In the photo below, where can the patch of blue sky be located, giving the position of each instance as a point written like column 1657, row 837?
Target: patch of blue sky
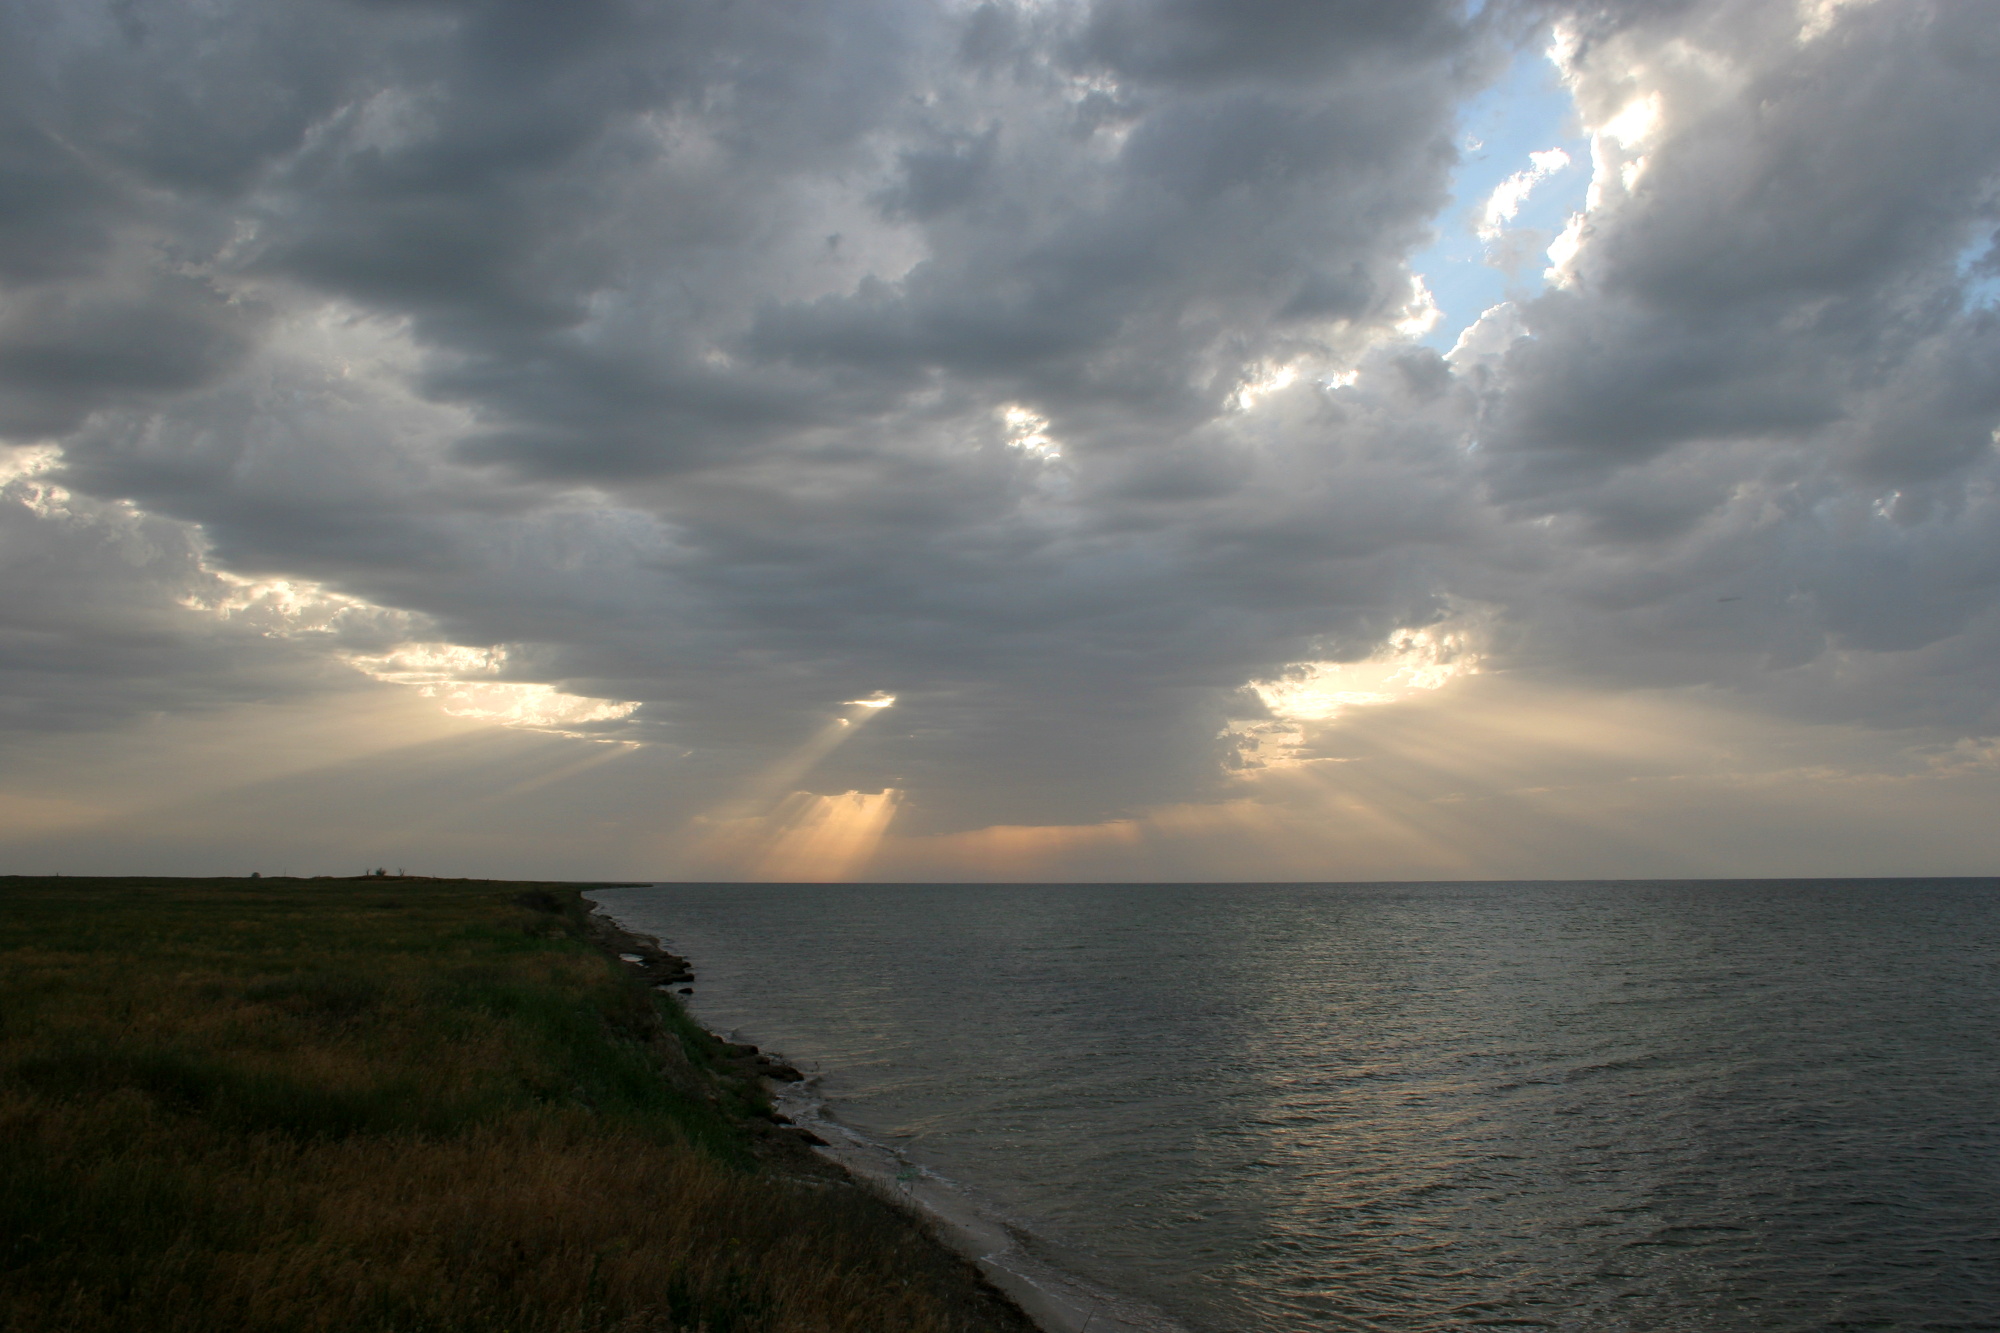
column 1979, row 271
column 1527, row 111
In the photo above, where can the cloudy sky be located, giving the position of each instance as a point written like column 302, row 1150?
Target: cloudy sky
column 1099, row 439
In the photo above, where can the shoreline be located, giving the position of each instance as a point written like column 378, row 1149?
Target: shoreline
column 1055, row 1300
column 409, row 1103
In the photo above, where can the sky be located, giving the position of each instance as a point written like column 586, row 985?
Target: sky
column 1049, row 440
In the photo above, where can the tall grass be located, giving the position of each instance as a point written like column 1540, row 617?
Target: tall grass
column 408, row 1106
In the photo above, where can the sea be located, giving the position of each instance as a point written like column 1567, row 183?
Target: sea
column 1260, row 1107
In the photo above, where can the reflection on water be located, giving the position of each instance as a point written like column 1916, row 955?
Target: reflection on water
column 1591, row 1106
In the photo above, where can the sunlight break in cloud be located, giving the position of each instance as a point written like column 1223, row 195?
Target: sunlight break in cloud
column 535, row 350
column 1409, row 661
column 1504, row 204
column 1817, row 17
column 466, row 682
column 1028, row 431
column 1617, row 161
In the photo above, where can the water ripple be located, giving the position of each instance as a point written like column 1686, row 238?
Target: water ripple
column 1420, row 1107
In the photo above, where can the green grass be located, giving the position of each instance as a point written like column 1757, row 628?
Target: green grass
column 401, row 1105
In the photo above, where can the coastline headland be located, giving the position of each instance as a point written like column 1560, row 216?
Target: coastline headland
column 402, row 1104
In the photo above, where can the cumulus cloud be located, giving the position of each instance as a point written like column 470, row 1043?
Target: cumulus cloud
column 1765, row 386
column 697, row 369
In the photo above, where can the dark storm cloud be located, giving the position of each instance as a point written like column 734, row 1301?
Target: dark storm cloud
column 96, row 626
column 1124, row 281
column 1201, row 41
column 68, row 349
column 1786, row 259
column 55, row 213
column 1766, row 381
column 741, row 360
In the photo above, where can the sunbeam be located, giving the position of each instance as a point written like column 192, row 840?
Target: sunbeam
column 772, row 830
column 1495, row 777
column 827, row 837
column 776, row 782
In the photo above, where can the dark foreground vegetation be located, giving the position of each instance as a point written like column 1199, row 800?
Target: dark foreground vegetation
column 408, row 1106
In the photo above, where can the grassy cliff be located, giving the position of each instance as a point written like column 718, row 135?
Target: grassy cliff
column 404, row 1105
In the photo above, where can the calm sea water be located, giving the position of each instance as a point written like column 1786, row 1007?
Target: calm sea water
column 1595, row 1106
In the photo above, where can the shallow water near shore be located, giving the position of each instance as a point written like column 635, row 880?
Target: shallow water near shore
column 1757, row 1105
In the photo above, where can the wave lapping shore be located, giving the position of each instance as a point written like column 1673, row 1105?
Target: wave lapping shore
column 1006, row 1253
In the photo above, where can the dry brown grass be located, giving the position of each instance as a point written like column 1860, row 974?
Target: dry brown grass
column 328, row 1107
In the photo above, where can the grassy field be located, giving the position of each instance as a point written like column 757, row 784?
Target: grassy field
column 405, row 1105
